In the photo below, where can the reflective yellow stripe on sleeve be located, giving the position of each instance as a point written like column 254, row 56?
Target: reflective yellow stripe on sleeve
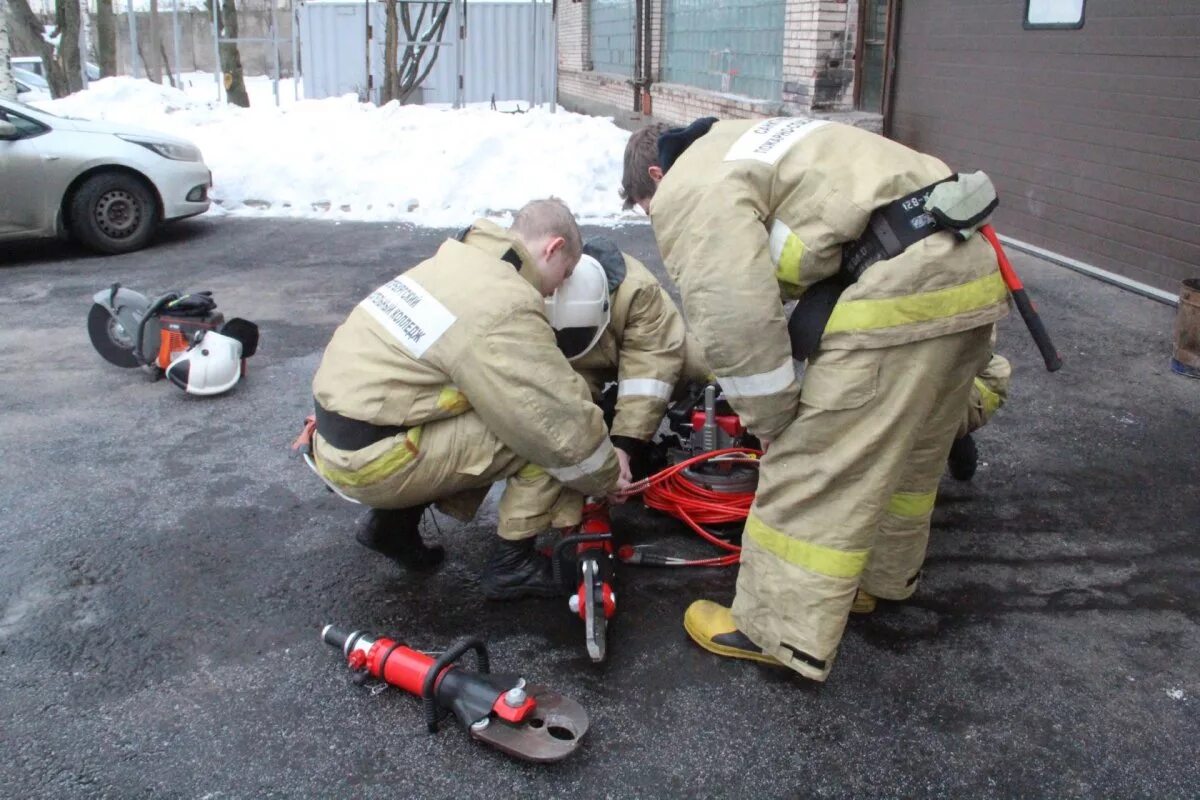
column 392, row 461
column 787, row 252
column 812, row 557
column 912, row 504
column 862, row 315
column 530, row 472
column 452, row 400
column 991, row 401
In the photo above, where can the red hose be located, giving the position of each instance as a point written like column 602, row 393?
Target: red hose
column 671, row 492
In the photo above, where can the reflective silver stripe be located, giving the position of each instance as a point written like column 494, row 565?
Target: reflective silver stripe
column 777, row 239
column 644, row 387
column 584, row 468
column 761, row 384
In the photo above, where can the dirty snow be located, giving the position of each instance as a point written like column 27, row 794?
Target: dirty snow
column 338, row 158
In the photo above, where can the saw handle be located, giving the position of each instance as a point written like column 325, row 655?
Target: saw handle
column 1028, row 311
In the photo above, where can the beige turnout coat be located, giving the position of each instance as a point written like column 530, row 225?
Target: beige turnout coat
column 757, row 211
column 464, row 331
column 642, row 349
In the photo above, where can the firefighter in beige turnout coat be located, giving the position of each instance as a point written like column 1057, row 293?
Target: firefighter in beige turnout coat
column 642, row 349
column 455, row 361
column 755, row 212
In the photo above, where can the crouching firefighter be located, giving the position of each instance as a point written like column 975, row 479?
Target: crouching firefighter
column 446, row 379
column 619, row 329
column 896, row 305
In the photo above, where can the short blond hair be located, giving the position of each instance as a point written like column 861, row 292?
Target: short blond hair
column 549, row 217
column 641, row 153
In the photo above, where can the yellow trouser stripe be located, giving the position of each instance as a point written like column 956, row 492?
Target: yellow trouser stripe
column 912, row 504
column 991, row 401
column 812, row 557
column 859, row 315
column 374, row 471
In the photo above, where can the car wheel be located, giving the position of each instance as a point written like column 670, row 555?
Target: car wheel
column 113, row 212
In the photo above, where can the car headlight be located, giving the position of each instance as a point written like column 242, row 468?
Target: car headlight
column 175, row 152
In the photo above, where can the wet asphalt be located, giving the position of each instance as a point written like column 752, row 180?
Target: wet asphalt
column 167, row 566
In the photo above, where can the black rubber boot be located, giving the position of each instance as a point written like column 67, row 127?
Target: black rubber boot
column 517, row 569
column 964, row 458
column 396, row 533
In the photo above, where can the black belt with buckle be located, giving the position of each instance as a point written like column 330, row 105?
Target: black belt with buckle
column 346, row 433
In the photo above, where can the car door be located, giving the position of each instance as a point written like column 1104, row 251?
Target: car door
column 23, row 201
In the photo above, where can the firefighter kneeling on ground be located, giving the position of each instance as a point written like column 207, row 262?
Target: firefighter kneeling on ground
column 448, row 378
column 901, row 312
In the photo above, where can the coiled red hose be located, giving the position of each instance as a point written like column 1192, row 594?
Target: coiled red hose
column 671, row 492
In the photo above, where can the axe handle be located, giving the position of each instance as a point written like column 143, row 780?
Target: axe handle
column 1028, row 311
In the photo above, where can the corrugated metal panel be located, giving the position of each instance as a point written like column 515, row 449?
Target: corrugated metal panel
column 1090, row 134
column 500, row 50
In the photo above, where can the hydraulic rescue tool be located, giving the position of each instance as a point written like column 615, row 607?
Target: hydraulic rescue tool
column 708, row 478
column 526, row 721
column 180, row 336
column 592, row 598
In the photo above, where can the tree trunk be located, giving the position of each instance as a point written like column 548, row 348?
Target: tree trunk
column 85, row 41
column 391, row 41
column 8, row 88
column 23, row 18
column 67, row 16
column 154, row 45
column 419, row 57
column 167, row 65
column 231, row 59
column 106, row 38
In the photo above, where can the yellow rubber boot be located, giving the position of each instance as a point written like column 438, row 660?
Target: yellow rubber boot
column 712, row 627
column 864, row 603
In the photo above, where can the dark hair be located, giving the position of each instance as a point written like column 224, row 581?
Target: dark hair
column 641, row 153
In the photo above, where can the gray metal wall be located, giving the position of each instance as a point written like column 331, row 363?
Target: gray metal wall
column 1092, row 135
column 500, row 51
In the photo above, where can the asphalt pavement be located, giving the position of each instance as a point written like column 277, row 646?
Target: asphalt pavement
column 167, row 566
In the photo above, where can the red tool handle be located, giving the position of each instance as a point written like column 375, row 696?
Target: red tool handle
column 1033, row 321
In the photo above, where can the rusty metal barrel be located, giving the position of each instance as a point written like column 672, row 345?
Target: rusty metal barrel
column 1186, row 358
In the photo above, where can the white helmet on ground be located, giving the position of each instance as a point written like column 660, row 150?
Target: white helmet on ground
column 211, row 366
column 579, row 309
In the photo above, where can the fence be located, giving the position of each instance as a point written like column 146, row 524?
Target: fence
column 506, row 56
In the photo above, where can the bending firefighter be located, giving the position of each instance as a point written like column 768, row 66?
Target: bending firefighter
column 896, row 305
column 618, row 327
column 446, row 379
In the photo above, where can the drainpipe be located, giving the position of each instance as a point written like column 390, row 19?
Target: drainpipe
column 647, row 51
column 636, row 80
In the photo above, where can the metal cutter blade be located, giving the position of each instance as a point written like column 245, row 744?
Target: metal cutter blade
column 594, row 622
column 550, row 733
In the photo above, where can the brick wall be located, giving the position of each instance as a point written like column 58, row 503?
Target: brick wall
column 574, row 49
column 818, row 54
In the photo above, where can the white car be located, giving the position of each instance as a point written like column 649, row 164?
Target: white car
column 110, row 186
column 30, row 85
column 35, row 65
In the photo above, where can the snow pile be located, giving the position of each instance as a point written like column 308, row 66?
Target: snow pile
column 341, row 159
